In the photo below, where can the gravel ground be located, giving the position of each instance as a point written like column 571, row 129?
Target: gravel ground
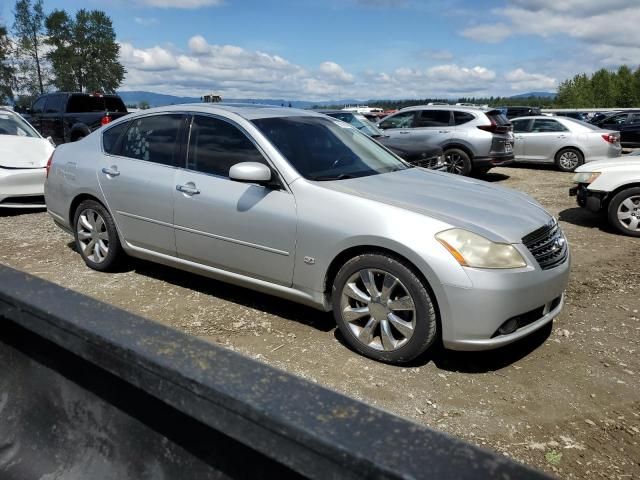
column 566, row 400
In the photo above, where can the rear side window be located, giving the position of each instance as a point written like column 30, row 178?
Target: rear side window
column 548, row 125
column 460, row 118
column 215, row 146
column 112, row 138
column 38, row 106
column 153, row 139
column 89, row 103
column 400, row 120
column 434, row 118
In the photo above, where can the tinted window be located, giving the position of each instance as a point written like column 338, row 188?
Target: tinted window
column 153, row 139
column 616, row 119
column 215, row 146
column 520, row 126
column 399, row 120
column 55, row 104
column 547, row 125
column 38, row 106
column 462, row 117
column 324, row 149
column 111, row 138
column 634, row 118
column 90, row 103
column 433, row 118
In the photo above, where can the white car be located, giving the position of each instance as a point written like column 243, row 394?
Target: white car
column 612, row 186
column 23, row 160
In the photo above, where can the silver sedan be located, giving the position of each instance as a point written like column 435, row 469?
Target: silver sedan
column 308, row 208
column 562, row 141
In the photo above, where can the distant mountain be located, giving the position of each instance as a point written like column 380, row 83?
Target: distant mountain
column 535, row 94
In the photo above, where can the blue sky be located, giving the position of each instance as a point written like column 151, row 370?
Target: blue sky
column 330, row 49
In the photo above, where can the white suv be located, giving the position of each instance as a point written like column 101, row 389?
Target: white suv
column 473, row 139
column 612, row 186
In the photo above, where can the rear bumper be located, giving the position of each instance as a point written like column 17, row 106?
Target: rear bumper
column 22, row 188
column 495, row 160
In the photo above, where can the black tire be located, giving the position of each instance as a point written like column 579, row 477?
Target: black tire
column 616, row 204
column 457, row 161
column 422, row 317
column 105, row 229
column 565, row 165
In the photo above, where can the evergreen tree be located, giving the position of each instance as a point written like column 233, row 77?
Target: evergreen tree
column 28, row 28
column 6, row 69
column 624, row 94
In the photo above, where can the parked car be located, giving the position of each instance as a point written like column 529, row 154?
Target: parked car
column 23, row 160
column 473, row 139
column 562, row 141
column 67, row 117
column 613, row 187
column 582, row 116
column 416, row 153
column 519, row 111
column 627, row 123
column 296, row 204
column 598, row 116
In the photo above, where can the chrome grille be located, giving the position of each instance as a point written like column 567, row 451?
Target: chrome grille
column 547, row 245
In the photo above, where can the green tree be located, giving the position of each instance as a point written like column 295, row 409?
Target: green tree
column 143, row 105
column 28, row 27
column 624, row 88
column 602, row 87
column 6, row 69
column 84, row 52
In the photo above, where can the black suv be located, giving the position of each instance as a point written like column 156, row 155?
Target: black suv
column 513, row 112
column 67, row 117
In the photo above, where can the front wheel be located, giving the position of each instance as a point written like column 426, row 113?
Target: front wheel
column 624, row 211
column 569, row 159
column 96, row 236
column 384, row 311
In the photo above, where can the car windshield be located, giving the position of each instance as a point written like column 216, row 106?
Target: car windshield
column 12, row 124
column 326, row 149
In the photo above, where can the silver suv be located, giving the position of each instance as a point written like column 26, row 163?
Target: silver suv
column 473, row 139
column 308, row 208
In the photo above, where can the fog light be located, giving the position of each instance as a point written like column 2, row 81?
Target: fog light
column 509, row 326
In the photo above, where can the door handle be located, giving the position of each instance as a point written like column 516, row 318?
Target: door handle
column 444, row 131
column 112, row 172
column 562, row 136
column 404, row 133
column 188, row 189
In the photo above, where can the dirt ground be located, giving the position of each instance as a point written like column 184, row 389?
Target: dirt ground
column 565, row 400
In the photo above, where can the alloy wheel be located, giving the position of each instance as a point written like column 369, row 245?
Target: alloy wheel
column 629, row 213
column 569, row 160
column 378, row 309
column 93, row 236
column 454, row 163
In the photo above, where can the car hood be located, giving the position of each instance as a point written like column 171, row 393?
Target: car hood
column 630, row 161
column 499, row 213
column 24, row 152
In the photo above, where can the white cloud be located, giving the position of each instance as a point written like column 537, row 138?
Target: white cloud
column 521, row 80
column 334, row 71
column 488, row 33
column 186, row 4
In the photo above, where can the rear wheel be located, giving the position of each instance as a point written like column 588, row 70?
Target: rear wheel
column 624, row 211
column 383, row 309
column 457, row 161
column 568, row 159
column 96, row 236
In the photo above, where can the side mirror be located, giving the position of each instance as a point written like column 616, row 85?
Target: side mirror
column 51, row 141
column 250, row 172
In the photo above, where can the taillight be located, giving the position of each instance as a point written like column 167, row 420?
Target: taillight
column 48, row 167
column 610, row 137
column 106, row 119
column 495, row 128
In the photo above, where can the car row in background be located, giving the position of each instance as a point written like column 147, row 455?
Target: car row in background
column 23, row 160
column 417, row 153
column 473, row 139
column 612, row 187
column 562, row 141
column 627, row 123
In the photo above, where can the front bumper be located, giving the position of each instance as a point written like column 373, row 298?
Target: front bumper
column 472, row 317
column 22, row 188
column 589, row 199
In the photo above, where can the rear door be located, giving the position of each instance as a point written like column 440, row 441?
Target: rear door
column 37, row 110
column 546, row 137
column 238, row 227
column 137, row 176
column 51, row 120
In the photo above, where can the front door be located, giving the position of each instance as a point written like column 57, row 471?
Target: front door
column 520, row 129
column 547, row 136
column 138, row 180
column 242, row 228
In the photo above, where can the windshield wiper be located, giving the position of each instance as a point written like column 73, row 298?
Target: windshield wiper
column 342, row 176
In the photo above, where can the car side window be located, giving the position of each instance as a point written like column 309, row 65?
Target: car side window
column 461, row 118
column 153, row 139
column 55, row 104
column 520, row 126
column 216, row 145
column 399, row 120
column 634, row 118
column 112, row 138
column 541, row 125
column 617, row 119
column 433, row 118
column 38, row 106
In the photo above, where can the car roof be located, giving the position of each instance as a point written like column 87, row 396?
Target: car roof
column 447, row 107
column 247, row 111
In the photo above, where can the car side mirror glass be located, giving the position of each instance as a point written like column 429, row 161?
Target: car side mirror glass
column 51, row 141
column 250, row 172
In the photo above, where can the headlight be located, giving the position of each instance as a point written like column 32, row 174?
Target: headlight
column 585, row 177
column 473, row 250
